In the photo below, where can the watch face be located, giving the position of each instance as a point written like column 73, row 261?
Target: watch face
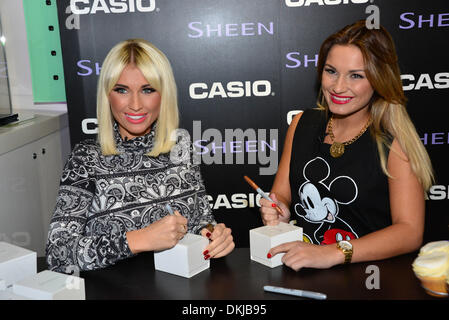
column 345, row 245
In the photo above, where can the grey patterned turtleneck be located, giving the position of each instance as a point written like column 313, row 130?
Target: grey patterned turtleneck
column 102, row 197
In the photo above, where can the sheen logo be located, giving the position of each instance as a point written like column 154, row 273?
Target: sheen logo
column 111, row 6
column 425, row 81
column 87, row 67
column 198, row 29
column 296, row 60
column 410, row 21
column 306, row 3
column 232, row 89
column 435, row 138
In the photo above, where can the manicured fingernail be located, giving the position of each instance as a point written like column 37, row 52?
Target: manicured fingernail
column 206, row 252
column 206, row 257
column 273, row 205
column 269, row 255
column 208, row 234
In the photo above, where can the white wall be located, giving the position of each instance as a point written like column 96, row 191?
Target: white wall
column 14, row 30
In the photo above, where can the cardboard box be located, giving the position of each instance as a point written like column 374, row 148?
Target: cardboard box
column 185, row 259
column 50, row 285
column 16, row 263
column 264, row 238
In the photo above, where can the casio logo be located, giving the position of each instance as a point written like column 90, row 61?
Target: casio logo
column 306, row 3
column 232, row 89
column 111, row 6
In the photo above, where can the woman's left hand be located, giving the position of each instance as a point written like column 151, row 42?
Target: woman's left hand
column 222, row 242
column 300, row 254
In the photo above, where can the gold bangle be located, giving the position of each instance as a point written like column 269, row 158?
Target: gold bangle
column 210, row 227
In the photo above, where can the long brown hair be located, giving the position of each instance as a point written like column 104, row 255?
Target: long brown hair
column 387, row 106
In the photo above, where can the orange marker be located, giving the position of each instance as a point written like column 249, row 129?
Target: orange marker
column 259, row 191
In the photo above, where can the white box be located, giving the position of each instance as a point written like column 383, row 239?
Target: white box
column 262, row 239
column 16, row 263
column 9, row 295
column 2, row 285
column 50, row 285
column 185, row 259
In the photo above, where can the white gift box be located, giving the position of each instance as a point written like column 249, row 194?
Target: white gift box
column 2, row 285
column 16, row 263
column 185, row 259
column 50, row 285
column 9, row 295
column 264, row 238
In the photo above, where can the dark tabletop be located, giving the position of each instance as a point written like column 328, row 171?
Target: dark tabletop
column 236, row 277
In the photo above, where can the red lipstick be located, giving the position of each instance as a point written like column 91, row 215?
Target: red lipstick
column 136, row 118
column 340, row 99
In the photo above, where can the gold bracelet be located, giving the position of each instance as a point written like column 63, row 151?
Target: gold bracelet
column 210, row 227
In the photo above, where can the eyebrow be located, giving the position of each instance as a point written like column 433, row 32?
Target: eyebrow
column 125, row 86
column 356, row 70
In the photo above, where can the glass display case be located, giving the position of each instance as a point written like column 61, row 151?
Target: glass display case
column 6, row 114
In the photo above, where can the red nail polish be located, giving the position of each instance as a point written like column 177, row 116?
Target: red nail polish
column 208, row 234
column 206, row 252
column 206, row 257
column 269, row 255
column 273, row 205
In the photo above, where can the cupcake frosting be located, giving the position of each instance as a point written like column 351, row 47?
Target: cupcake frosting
column 433, row 264
column 435, row 246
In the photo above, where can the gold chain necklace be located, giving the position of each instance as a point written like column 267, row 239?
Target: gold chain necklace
column 338, row 148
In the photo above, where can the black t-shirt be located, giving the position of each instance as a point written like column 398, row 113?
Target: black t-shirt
column 341, row 198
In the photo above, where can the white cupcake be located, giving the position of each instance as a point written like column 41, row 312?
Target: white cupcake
column 432, row 268
column 447, row 283
column 435, row 246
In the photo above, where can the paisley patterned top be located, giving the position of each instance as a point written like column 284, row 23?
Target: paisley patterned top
column 102, row 197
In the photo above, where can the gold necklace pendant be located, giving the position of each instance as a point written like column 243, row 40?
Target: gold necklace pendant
column 337, row 149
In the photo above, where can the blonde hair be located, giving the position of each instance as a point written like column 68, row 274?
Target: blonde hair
column 157, row 70
column 387, row 106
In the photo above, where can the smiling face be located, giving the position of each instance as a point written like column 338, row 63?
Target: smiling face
column 317, row 209
column 135, row 105
column 344, row 83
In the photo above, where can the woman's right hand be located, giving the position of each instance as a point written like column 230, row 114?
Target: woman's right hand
column 270, row 215
column 160, row 235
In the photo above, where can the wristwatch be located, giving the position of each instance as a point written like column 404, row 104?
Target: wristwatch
column 346, row 248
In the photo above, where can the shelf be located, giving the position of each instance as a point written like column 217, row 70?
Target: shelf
column 30, row 127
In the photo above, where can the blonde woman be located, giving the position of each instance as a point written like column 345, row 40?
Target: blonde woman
column 114, row 191
column 353, row 172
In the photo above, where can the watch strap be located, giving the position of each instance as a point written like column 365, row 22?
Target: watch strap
column 346, row 252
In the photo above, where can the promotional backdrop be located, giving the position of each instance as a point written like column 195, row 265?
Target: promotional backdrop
column 245, row 68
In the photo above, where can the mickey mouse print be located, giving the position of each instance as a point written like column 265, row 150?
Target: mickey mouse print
column 321, row 204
